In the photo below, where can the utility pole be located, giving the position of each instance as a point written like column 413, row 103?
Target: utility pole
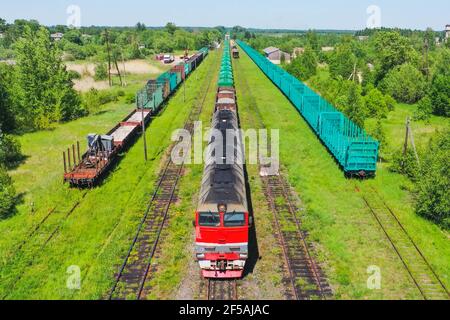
column 184, row 90
column 143, row 133
column 109, row 57
column 124, row 69
column 409, row 138
column 427, row 69
column 405, row 146
column 118, row 71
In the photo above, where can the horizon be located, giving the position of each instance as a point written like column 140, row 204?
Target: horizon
column 252, row 14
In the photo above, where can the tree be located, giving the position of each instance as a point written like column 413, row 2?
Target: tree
column 7, row 194
column 392, row 50
column 376, row 104
column 433, row 185
column 430, row 38
column 7, row 120
column 313, row 40
column 424, row 109
column 354, row 106
column 101, row 71
column 73, row 36
column 440, row 95
column 2, row 25
column 440, row 88
column 379, row 134
column 171, row 28
column 304, row 66
column 140, row 27
column 43, row 88
column 10, row 153
column 405, row 83
column 343, row 61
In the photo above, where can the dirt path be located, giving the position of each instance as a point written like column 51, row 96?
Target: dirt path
column 87, row 72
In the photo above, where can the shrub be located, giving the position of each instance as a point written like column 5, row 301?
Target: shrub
column 379, row 134
column 7, row 194
column 304, row 66
column 405, row 164
column 130, row 98
column 94, row 99
column 424, row 109
column 101, row 72
column 440, row 95
column 376, row 104
column 405, row 83
column 342, row 62
column 433, row 183
column 10, row 150
column 74, row 75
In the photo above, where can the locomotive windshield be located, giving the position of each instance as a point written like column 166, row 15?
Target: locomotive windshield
column 234, row 219
column 209, row 219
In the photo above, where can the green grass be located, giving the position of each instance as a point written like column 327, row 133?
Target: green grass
column 347, row 238
column 98, row 233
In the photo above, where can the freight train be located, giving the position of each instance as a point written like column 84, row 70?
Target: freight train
column 88, row 170
column 222, row 219
column 352, row 147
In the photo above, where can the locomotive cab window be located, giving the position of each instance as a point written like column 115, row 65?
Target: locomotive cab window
column 234, row 219
column 209, row 219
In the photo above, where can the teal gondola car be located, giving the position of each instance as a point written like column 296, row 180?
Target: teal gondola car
column 352, row 147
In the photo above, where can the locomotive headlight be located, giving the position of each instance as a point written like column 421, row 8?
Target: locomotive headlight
column 222, row 208
column 243, row 256
column 200, row 256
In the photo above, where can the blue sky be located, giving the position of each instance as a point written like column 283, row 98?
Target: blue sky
column 282, row 14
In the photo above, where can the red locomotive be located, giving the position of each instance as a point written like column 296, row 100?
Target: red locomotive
column 222, row 219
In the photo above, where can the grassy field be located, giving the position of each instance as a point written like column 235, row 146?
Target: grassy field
column 346, row 235
column 96, row 235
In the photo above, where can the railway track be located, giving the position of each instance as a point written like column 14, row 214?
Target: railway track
column 51, row 236
column 222, row 290
column 419, row 269
column 135, row 272
column 51, row 212
column 304, row 279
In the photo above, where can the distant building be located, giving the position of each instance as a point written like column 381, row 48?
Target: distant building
column 57, row 36
column 363, row 38
column 275, row 55
column 447, row 32
column 438, row 41
column 298, row 52
column 2, row 35
column 327, row 49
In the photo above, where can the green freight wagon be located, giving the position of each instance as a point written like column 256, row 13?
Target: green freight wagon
column 353, row 148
